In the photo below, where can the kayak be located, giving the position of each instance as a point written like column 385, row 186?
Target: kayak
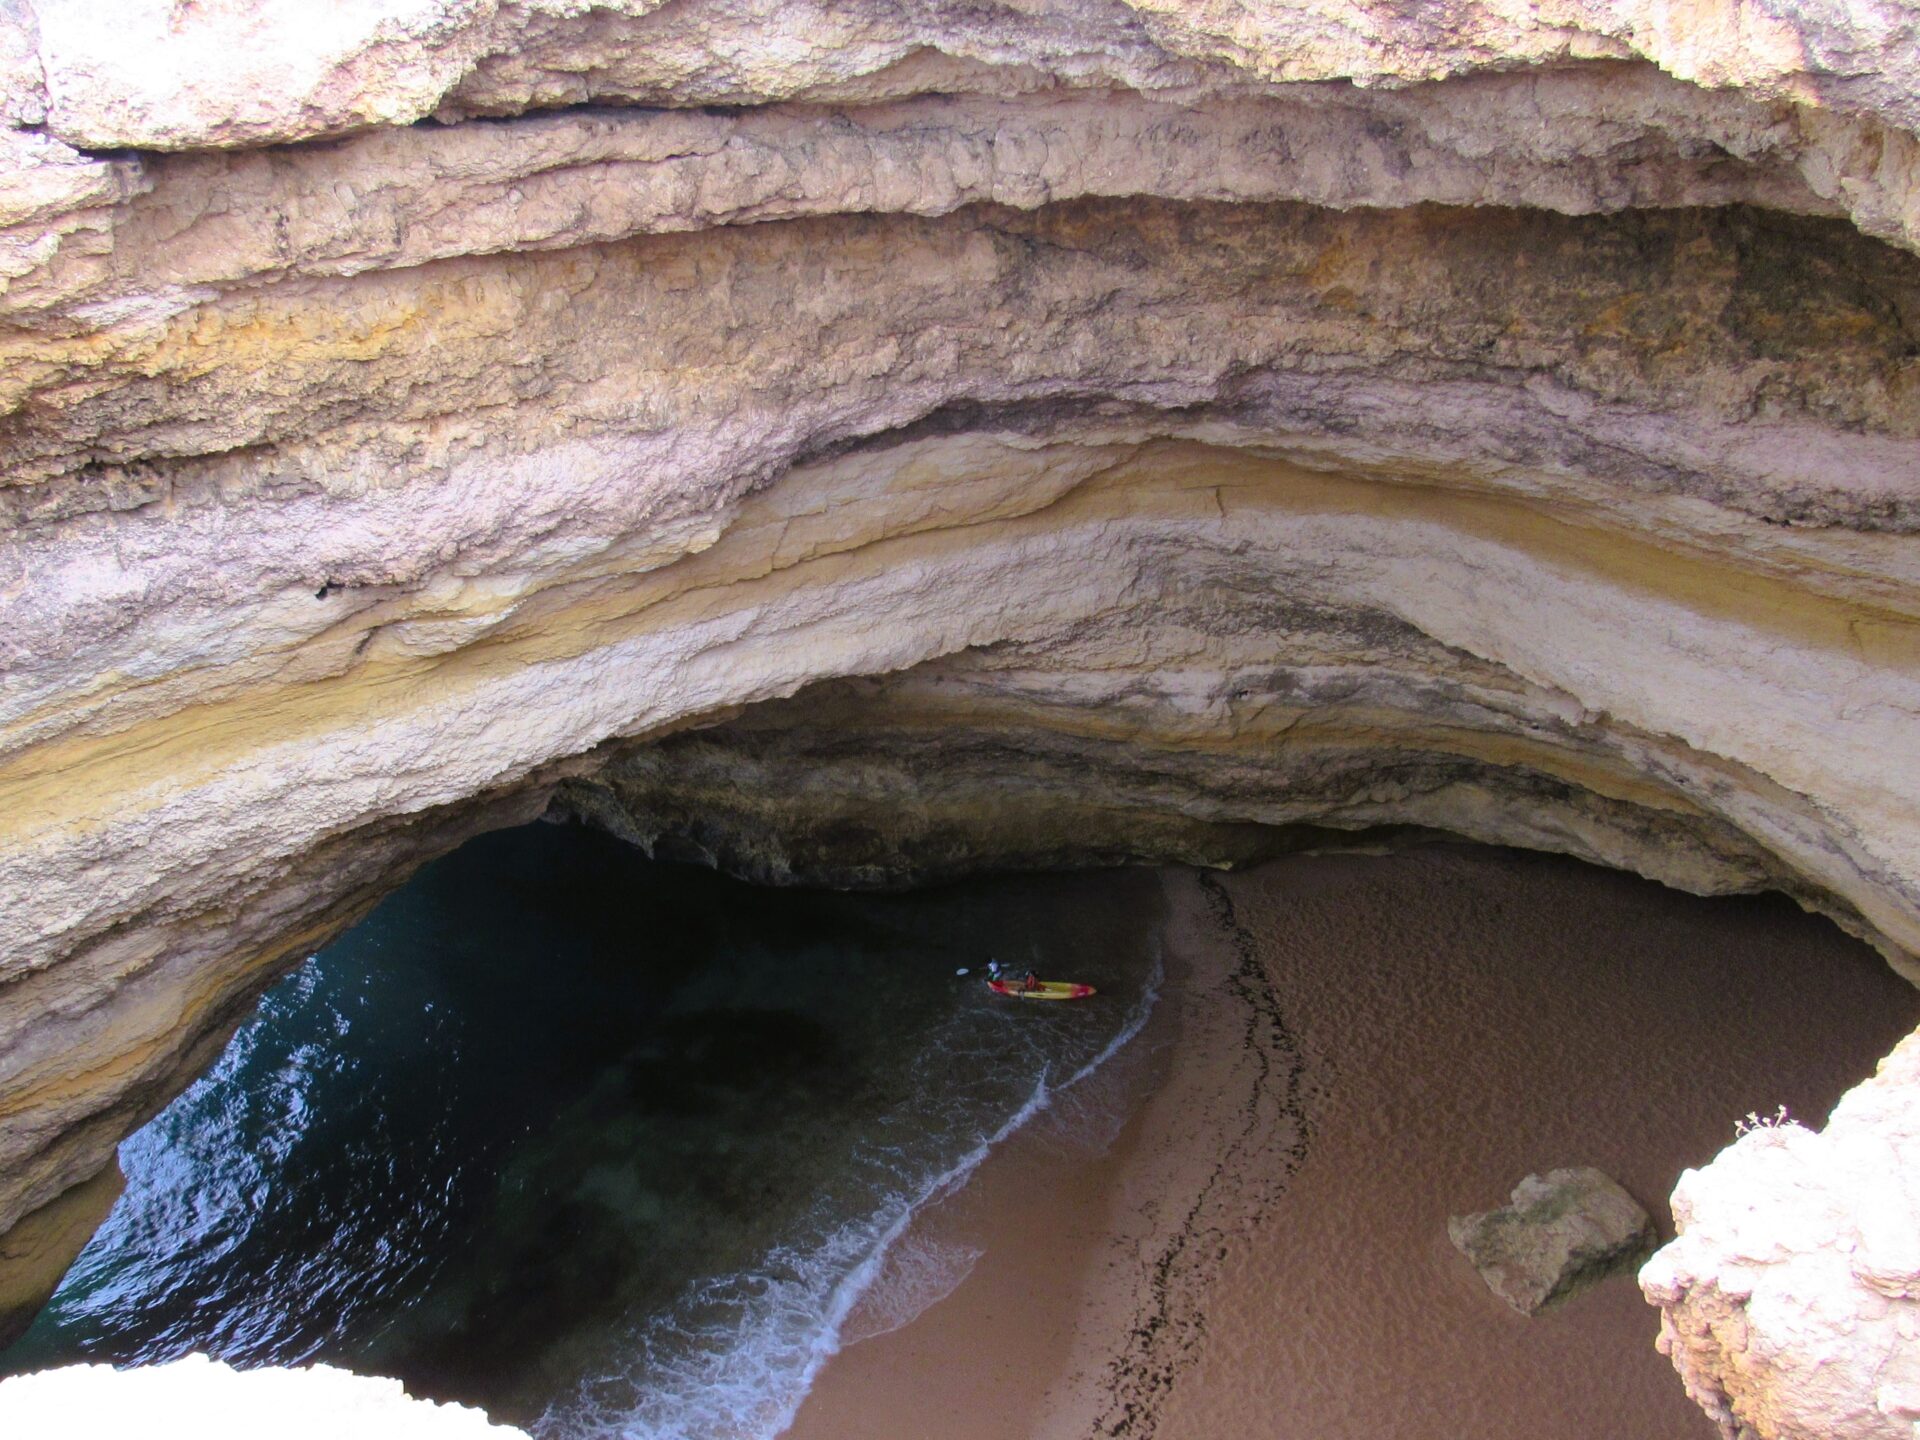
column 1047, row 990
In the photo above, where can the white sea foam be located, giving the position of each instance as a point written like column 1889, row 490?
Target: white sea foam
column 917, row 1274
column 738, row 1355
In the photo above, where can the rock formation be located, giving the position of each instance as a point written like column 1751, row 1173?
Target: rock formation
column 1791, row 1299
column 1563, row 1231
column 35, row 1254
column 866, row 442
column 210, row 1401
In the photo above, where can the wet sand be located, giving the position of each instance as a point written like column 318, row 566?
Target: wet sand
column 1348, row 1049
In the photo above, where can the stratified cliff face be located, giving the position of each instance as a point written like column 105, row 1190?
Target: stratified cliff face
column 869, row 442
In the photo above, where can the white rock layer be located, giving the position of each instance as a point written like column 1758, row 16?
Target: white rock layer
column 201, row 1399
column 1791, row 1299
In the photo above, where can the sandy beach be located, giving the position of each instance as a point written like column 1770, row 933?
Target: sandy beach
column 1239, row 1228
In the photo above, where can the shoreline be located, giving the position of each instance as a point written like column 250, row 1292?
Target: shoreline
column 1060, row 1335
column 920, row 1228
column 1345, row 1050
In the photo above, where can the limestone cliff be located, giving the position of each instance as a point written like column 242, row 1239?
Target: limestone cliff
column 1785, row 1234
column 868, row 442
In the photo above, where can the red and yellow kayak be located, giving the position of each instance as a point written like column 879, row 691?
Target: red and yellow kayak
column 1045, row 990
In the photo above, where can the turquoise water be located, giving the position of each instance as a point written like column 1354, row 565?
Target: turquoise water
column 609, row 1148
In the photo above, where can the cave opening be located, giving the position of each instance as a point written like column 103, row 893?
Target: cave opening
column 570, row 1134
column 605, row 1144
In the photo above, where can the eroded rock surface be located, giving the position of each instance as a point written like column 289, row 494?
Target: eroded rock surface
column 1561, row 1232
column 865, row 443
column 1790, row 1303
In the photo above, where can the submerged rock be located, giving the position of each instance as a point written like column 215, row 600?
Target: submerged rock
column 1564, row 1230
column 212, row 1401
column 37, row 1251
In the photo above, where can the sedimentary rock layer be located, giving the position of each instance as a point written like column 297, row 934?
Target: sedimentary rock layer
column 866, row 444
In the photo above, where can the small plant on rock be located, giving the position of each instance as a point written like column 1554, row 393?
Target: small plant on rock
column 1762, row 1122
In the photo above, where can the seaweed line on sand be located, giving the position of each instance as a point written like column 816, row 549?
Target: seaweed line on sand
column 1266, row 1132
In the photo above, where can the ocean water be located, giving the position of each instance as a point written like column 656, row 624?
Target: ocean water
column 607, row 1147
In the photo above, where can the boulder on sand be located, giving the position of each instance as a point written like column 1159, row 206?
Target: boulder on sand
column 1564, row 1230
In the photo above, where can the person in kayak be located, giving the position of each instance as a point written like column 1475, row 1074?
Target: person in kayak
column 1031, row 983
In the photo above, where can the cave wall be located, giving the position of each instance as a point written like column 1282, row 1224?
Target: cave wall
column 865, row 444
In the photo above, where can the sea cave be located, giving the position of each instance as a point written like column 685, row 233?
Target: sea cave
column 567, row 569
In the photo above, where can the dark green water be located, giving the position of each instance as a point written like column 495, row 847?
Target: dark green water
column 610, row 1148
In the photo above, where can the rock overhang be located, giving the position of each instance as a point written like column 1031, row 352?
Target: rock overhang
column 1116, row 431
